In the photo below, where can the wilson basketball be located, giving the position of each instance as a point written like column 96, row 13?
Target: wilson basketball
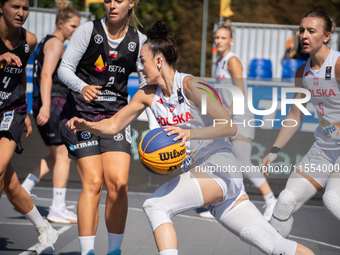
column 158, row 152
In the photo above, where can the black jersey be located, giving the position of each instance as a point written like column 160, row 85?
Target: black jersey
column 59, row 89
column 12, row 91
column 107, row 67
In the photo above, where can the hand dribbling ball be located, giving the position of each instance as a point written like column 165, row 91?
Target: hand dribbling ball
column 159, row 154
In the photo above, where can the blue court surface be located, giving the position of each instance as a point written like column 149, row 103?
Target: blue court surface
column 314, row 227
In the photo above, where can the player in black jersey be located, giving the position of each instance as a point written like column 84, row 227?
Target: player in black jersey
column 96, row 65
column 16, row 45
column 49, row 95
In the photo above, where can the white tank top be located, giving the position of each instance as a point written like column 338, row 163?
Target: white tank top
column 223, row 76
column 177, row 110
column 325, row 97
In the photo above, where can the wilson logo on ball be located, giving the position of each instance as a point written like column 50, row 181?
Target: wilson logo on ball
column 171, row 155
column 159, row 153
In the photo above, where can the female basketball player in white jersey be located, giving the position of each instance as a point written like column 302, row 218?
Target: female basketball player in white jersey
column 16, row 46
column 49, row 95
column 96, row 65
column 320, row 167
column 175, row 100
column 229, row 70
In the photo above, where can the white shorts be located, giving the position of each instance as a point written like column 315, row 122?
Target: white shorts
column 222, row 166
column 320, row 163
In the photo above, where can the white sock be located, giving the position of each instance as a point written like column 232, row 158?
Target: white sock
column 270, row 198
column 86, row 244
column 58, row 198
column 169, row 252
column 29, row 183
column 115, row 241
column 35, row 217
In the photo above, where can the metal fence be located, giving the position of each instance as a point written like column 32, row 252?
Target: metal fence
column 41, row 21
column 265, row 41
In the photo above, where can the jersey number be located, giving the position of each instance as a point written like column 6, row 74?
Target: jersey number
column 111, row 81
column 6, row 81
column 321, row 109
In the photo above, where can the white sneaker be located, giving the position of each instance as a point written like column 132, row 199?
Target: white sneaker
column 48, row 236
column 206, row 215
column 269, row 210
column 62, row 215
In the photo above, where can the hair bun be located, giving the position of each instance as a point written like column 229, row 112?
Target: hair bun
column 158, row 30
column 63, row 4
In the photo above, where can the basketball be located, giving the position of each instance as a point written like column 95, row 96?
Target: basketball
column 158, row 152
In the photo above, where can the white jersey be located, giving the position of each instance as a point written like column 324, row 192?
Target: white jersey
column 177, row 110
column 325, row 97
column 223, row 76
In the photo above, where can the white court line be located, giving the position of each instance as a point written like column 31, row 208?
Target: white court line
column 314, row 241
column 213, row 220
column 32, row 248
column 191, row 217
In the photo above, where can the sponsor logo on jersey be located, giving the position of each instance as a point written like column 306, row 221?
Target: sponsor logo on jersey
column 4, row 95
column 322, row 92
column 307, row 73
column 85, row 135
column 180, row 96
column 331, row 129
column 100, row 65
column 119, row 69
column 328, row 72
column 171, row 155
column 177, row 119
column 27, row 48
column 113, row 53
column 98, row 39
column 118, row 137
column 14, row 70
column 160, row 101
column 132, row 46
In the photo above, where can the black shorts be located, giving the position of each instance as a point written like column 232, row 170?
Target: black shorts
column 50, row 131
column 12, row 124
column 83, row 144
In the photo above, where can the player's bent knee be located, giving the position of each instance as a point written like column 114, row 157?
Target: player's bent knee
column 285, row 205
column 257, row 237
column 331, row 201
column 156, row 213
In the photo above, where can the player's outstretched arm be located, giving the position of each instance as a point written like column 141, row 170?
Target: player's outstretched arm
column 113, row 125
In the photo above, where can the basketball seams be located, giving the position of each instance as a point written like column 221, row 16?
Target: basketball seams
column 146, row 146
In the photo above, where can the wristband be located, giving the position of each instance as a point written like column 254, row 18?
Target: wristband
column 275, row 149
column 272, row 156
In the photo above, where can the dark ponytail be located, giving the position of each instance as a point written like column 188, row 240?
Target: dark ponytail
column 159, row 41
